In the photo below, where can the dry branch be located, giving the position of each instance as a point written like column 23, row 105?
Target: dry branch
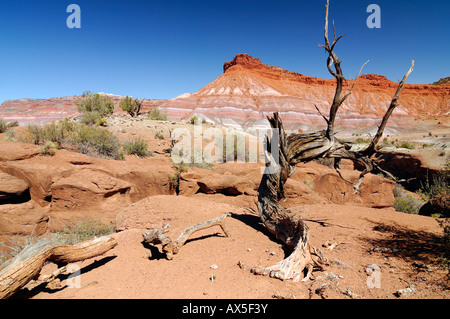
column 17, row 272
column 171, row 248
column 297, row 148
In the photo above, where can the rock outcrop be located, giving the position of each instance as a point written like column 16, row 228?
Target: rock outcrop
column 67, row 187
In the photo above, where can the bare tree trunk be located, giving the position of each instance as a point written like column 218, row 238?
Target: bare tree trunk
column 17, row 272
column 297, row 148
column 278, row 220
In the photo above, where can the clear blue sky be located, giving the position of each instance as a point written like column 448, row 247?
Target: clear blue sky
column 160, row 49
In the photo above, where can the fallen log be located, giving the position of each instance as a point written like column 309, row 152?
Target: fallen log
column 171, row 248
column 17, row 272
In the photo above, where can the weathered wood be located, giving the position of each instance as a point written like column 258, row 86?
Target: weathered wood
column 297, row 148
column 17, row 272
column 170, row 248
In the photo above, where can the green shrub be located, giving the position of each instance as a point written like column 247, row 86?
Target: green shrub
column 35, row 133
column 3, row 126
column 138, row 147
column 407, row 145
column 436, row 184
column 97, row 142
column 194, row 120
column 157, row 115
column 48, row 148
column 130, row 105
column 159, row 135
column 361, row 140
column 174, row 179
column 10, row 136
column 406, row 203
column 93, row 107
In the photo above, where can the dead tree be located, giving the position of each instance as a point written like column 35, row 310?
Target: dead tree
column 297, row 148
column 17, row 272
column 169, row 247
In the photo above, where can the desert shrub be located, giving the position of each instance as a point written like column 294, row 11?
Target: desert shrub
column 97, row 142
column 361, row 140
column 130, row 105
column 35, row 133
column 159, row 135
column 15, row 245
column 93, row 107
column 5, row 126
column 407, row 145
column 406, row 203
column 48, row 148
column 10, row 136
column 194, row 120
column 138, row 147
column 83, row 230
column 101, row 122
column 57, row 132
column 436, row 184
column 157, row 115
column 174, row 178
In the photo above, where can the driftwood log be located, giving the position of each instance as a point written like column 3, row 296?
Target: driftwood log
column 296, row 148
column 17, row 272
column 170, row 247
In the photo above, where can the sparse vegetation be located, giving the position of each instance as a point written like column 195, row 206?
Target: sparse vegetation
column 194, row 120
column 93, row 107
column 83, row 230
column 15, row 245
column 138, row 147
column 3, row 126
column 130, row 105
column 407, row 145
column 97, row 142
column 174, row 179
column 361, row 140
column 10, row 136
column 157, row 115
column 406, row 203
column 436, row 184
column 48, row 148
column 159, row 135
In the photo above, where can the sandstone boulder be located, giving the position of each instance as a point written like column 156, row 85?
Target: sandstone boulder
column 87, row 193
column 11, row 187
column 23, row 219
column 210, row 182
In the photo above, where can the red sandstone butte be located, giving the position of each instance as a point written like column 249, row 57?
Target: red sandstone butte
column 248, row 90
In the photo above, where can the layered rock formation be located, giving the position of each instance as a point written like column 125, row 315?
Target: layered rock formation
column 40, row 111
column 248, row 90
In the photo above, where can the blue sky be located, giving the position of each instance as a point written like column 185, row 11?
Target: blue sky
column 161, row 49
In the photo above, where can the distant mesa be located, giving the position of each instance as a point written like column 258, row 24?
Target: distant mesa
column 249, row 90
